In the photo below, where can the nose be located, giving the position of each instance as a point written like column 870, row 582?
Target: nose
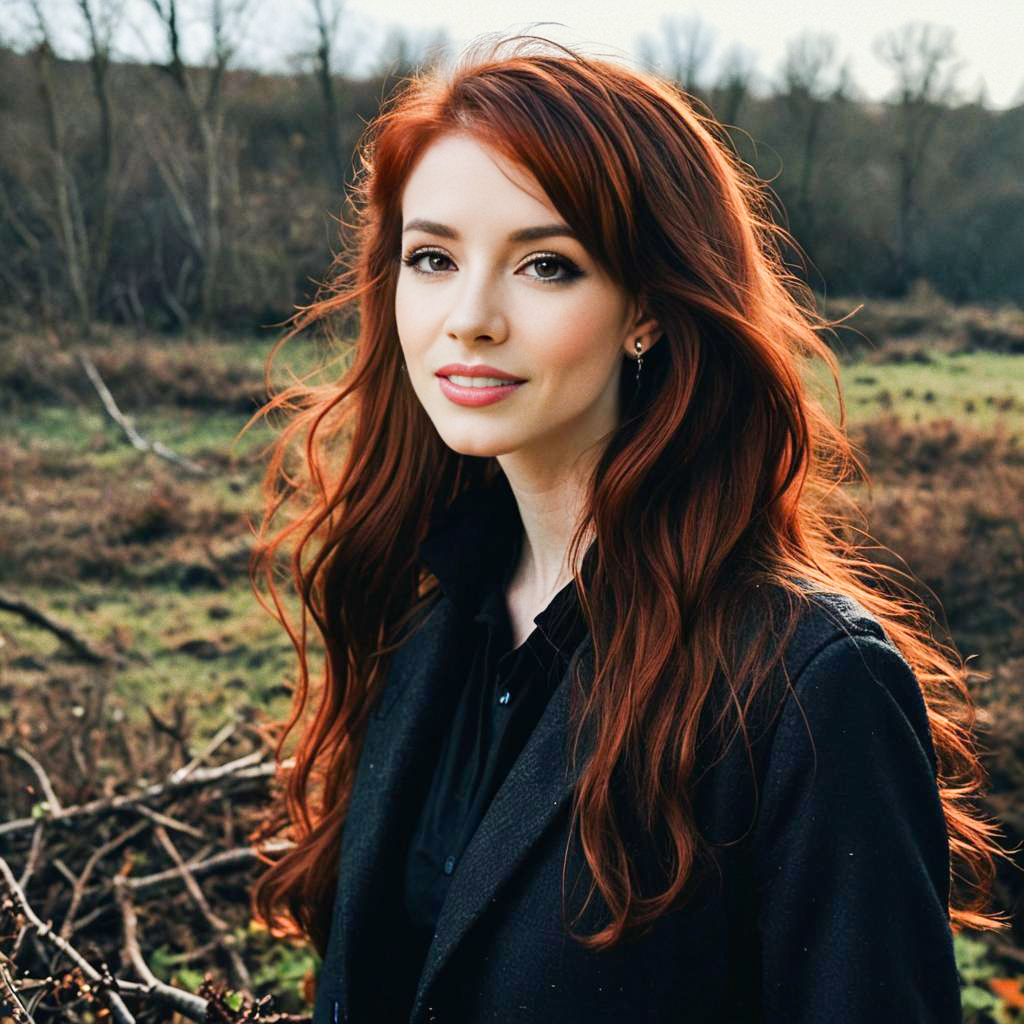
column 476, row 313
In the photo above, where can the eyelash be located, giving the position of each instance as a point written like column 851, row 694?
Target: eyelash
column 570, row 268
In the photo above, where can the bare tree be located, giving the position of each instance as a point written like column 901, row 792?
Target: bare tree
column 327, row 17
column 923, row 58
column 63, row 211
column 810, row 78
column 101, row 18
column 205, row 111
column 682, row 51
column 733, row 84
column 403, row 51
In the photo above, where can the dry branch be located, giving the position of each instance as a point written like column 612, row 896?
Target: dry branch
column 79, row 884
column 241, row 770
column 220, row 927
column 76, row 856
column 185, row 1003
column 124, row 422
column 219, row 861
column 10, row 997
column 45, row 785
column 66, row 634
column 43, row 931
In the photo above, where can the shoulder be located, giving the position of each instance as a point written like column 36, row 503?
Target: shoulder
column 846, row 682
column 836, row 654
column 820, row 618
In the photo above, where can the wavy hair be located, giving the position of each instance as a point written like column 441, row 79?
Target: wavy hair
column 724, row 474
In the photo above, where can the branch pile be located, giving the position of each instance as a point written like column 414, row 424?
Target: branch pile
column 126, row 863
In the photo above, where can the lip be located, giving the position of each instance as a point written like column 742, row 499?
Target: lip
column 476, row 370
column 461, row 395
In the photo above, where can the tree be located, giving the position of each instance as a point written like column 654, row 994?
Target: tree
column 682, row 52
column 923, row 58
column 810, row 78
column 205, row 112
column 326, row 19
column 100, row 18
column 403, row 51
column 60, row 208
column 733, row 84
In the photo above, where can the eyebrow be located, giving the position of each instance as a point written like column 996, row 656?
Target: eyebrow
column 522, row 235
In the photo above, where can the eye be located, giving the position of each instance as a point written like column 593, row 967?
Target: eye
column 432, row 255
column 548, row 264
column 551, row 268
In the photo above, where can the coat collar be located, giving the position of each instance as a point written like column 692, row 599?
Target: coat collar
column 472, row 549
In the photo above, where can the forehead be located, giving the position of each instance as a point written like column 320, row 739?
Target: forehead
column 459, row 176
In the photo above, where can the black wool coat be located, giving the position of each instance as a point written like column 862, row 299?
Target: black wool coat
column 829, row 902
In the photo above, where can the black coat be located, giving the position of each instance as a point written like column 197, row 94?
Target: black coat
column 830, row 903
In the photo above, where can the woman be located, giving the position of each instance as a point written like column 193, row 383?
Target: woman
column 568, row 526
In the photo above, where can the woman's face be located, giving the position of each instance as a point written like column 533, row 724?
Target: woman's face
column 492, row 281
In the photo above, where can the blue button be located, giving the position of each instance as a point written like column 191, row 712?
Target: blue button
column 449, row 865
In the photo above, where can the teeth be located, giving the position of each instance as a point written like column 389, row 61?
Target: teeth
column 478, row 382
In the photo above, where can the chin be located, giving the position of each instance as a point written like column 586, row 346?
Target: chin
column 476, row 446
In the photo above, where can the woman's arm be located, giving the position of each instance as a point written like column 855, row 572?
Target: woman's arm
column 851, row 851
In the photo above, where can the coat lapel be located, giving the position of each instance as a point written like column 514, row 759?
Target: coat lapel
column 538, row 786
column 409, row 712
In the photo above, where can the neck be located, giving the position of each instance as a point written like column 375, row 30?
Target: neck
column 551, row 505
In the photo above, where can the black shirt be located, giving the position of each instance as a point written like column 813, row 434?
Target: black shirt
column 473, row 551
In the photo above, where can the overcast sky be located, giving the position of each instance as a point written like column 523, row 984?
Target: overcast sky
column 989, row 33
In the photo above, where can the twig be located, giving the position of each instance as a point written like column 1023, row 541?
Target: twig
column 64, row 870
column 169, row 822
column 40, row 773
column 190, row 1006
column 79, row 884
column 10, row 998
column 137, row 440
column 1008, row 950
column 224, row 733
column 33, row 615
column 220, row 927
column 225, row 859
column 217, row 923
column 117, row 1007
column 192, row 955
column 33, row 855
column 241, row 770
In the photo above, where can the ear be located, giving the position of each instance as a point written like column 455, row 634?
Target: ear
column 647, row 331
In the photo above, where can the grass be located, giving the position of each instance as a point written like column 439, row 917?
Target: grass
column 981, row 390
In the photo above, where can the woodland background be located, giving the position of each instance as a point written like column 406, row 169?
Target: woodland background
column 158, row 221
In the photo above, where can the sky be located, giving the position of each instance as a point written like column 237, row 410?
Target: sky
column 988, row 33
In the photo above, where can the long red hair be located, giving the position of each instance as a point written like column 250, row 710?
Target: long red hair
column 723, row 476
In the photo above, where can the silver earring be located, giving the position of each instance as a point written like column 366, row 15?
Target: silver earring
column 639, row 346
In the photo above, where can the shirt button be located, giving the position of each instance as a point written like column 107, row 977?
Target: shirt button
column 449, row 865
column 505, row 697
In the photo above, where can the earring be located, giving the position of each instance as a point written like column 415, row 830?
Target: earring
column 639, row 346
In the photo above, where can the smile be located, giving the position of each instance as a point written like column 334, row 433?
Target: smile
column 476, row 390
column 477, row 382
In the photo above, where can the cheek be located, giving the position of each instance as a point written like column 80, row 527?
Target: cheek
column 405, row 321
column 583, row 340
